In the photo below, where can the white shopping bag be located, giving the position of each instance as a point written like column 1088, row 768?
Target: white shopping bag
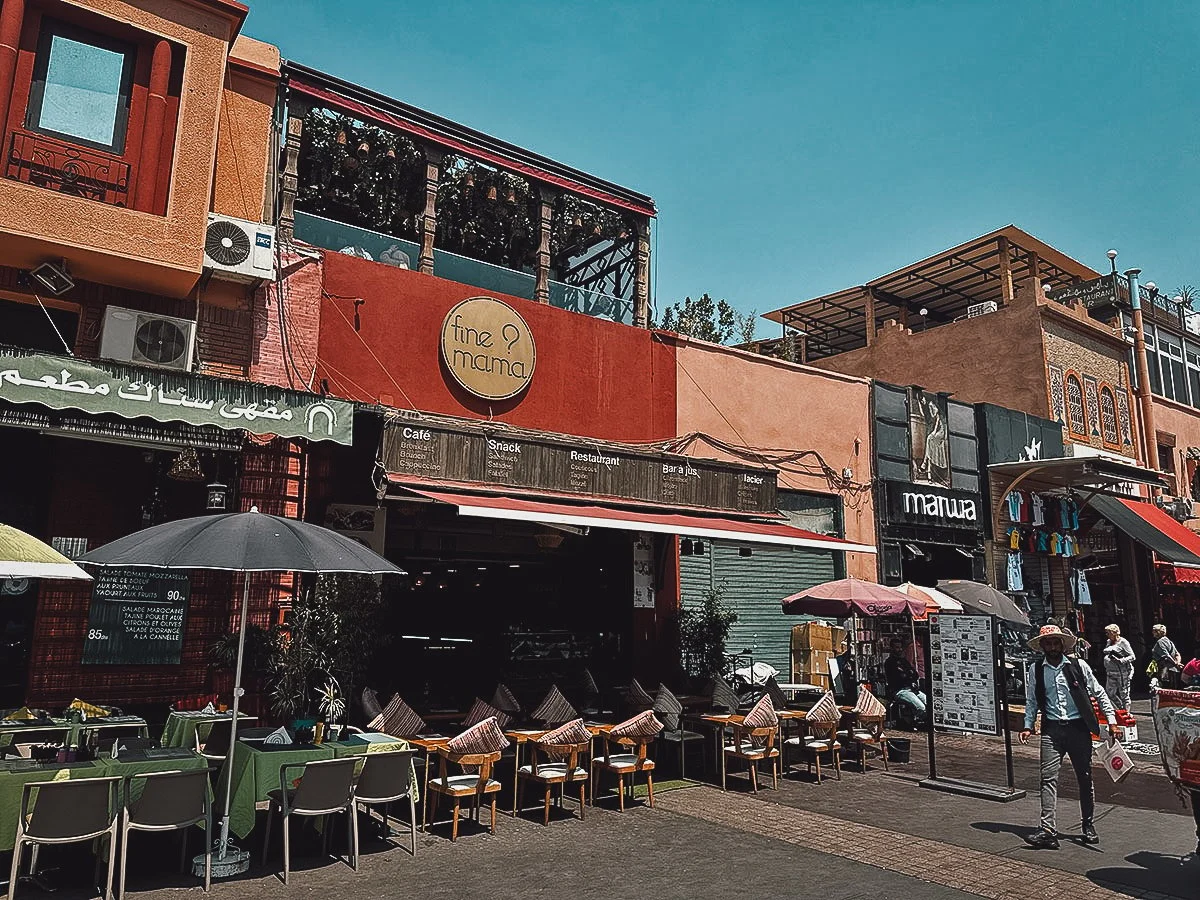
column 1116, row 761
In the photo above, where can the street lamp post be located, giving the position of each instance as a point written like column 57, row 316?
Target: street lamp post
column 1145, row 400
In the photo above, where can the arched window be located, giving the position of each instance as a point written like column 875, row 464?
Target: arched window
column 1108, row 417
column 1075, row 416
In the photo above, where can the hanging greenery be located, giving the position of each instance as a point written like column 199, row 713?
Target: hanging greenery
column 361, row 174
column 579, row 225
column 487, row 214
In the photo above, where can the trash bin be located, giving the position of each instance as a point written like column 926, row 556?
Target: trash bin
column 899, row 749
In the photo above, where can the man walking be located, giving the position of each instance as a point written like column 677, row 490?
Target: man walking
column 1060, row 687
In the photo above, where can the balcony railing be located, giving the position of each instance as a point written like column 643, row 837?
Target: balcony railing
column 45, row 162
column 331, row 235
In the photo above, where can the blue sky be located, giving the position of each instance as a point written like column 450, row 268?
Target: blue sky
column 798, row 148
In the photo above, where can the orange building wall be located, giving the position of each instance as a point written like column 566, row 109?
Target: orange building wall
column 1183, row 422
column 244, row 137
column 112, row 245
column 750, row 400
column 996, row 358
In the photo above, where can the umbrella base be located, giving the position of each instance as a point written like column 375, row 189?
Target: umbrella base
column 234, row 862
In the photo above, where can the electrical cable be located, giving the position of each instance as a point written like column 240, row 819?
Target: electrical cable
column 331, row 297
column 52, row 325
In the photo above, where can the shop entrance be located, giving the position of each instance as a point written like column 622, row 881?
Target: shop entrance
column 928, row 564
column 491, row 600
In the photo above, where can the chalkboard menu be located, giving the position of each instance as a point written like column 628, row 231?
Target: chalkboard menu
column 137, row 618
column 964, row 669
column 572, row 466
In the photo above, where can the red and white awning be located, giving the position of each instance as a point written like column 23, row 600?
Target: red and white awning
column 596, row 514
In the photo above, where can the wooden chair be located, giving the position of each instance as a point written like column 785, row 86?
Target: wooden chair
column 474, row 786
column 867, row 731
column 632, row 737
column 821, row 725
column 752, row 746
column 560, row 767
column 821, row 739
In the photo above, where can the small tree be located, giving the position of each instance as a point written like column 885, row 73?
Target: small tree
column 703, row 632
column 716, row 322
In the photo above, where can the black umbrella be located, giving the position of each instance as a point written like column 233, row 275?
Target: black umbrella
column 241, row 542
column 984, row 600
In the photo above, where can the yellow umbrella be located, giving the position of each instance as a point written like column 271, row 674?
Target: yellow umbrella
column 24, row 556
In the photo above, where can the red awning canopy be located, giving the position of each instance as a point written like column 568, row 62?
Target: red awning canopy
column 593, row 514
column 1151, row 527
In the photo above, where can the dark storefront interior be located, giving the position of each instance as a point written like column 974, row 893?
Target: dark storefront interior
column 487, row 600
column 65, row 487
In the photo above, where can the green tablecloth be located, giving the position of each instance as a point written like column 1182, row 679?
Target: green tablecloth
column 255, row 775
column 125, row 768
column 12, row 784
column 182, row 727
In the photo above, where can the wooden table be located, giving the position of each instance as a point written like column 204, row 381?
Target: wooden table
column 429, row 743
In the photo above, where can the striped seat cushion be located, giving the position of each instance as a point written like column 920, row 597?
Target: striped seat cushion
column 639, row 698
column 555, row 770
column 481, row 710
column 667, row 707
column 482, row 737
column 572, row 732
column 762, row 715
column 868, row 704
column 643, row 725
column 724, row 698
column 825, row 711
column 775, row 692
column 624, row 761
column 554, row 709
column 398, row 719
column 504, row 700
column 590, row 688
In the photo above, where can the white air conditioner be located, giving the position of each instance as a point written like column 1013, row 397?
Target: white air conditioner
column 147, row 339
column 237, row 250
column 981, row 309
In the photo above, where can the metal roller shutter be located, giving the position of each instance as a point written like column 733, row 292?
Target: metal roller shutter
column 754, row 586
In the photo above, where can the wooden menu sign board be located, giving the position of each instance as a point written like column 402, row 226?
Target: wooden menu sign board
column 514, row 459
column 137, row 617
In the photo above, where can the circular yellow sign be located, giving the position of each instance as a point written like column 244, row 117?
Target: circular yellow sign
column 488, row 348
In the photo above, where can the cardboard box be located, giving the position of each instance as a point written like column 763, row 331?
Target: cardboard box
column 817, row 636
column 1129, row 734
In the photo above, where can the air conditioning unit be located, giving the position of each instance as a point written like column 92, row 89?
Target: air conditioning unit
column 981, row 309
column 237, row 250
column 147, row 339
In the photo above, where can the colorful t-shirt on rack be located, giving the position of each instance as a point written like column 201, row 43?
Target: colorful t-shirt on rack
column 1039, row 509
column 1069, row 545
column 1015, row 580
column 1014, row 539
column 1055, row 540
column 1016, row 504
column 1043, row 542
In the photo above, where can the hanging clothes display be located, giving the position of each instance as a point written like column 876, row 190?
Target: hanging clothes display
column 1015, row 580
column 1039, row 509
column 1016, row 505
column 1083, row 593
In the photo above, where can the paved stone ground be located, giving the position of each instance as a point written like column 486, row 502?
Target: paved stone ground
column 871, row 835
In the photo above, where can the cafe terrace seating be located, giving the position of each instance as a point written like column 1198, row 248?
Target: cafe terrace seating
column 821, row 724
column 632, row 737
column 474, row 753
column 554, row 760
column 754, row 742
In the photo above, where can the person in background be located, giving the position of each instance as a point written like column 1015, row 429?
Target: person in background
column 902, row 680
column 1118, row 666
column 1166, row 655
column 1191, row 673
column 1058, row 687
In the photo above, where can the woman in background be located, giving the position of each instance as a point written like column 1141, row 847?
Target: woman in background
column 1118, row 667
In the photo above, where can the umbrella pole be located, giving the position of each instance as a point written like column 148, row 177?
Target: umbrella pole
column 237, row 695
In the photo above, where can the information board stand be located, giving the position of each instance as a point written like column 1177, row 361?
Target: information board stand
column 965, row 688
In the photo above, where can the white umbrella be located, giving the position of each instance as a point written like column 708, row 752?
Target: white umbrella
column 24, row 556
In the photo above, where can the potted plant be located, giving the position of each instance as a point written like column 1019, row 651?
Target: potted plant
column 331, row 706
column 703, row 630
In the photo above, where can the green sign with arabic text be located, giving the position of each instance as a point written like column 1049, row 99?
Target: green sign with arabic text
column 102, row 387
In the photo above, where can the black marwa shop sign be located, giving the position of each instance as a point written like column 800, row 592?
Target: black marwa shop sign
column 921, row 504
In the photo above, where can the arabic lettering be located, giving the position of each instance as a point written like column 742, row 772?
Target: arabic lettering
column 63, row 382
column 252, row 412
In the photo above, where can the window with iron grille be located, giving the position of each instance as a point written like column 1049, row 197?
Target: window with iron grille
column 1075, row 416
column 1108, row 417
